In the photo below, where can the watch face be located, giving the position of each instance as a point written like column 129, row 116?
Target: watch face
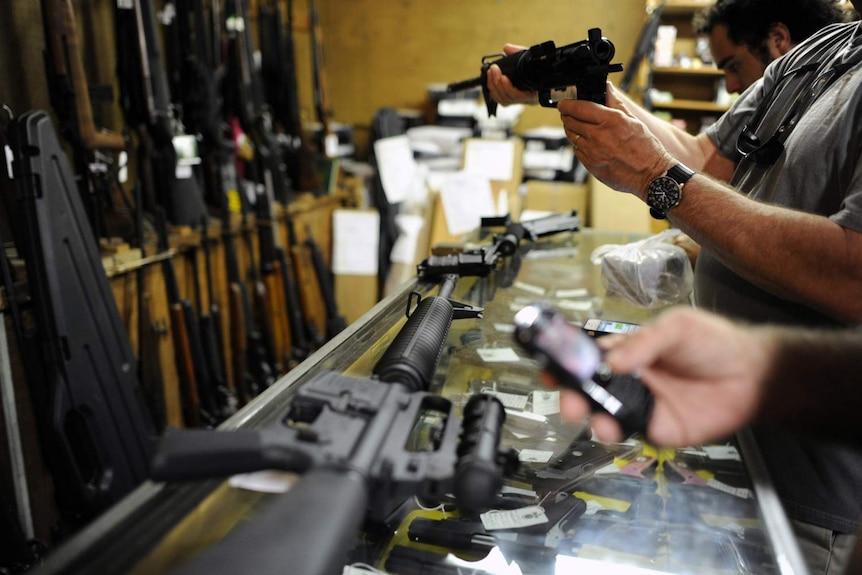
column 664, row 194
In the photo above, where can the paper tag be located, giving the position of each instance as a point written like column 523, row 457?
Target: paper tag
column 498, row 355
column 9, row 159
column 535, row 455
column 125, row 4
column 513, row 518
column 740, row 492
column 722, row 452
column 546, row 402
column 510, row 400
column 573, row 293
column 263, row 481
column 123, row 174
column 585, row 305
column 529, row 287
column 504, row 327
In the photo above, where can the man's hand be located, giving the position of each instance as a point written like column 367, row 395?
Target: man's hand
column 613, row 144
column 706, row 374
column 504, row 93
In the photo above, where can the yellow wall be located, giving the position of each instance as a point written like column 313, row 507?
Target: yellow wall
column 385, row 52
column 376, row 52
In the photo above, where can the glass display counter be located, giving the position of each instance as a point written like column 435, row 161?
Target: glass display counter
column 574, row 505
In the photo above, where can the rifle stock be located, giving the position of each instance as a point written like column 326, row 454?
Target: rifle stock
column 66, row 65
column 185, row 367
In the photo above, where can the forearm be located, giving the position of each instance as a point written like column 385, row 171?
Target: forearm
column 813, row 386
column 797, row 256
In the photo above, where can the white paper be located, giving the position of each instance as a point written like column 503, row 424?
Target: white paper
column 396, row 166
column 466, row 199
column 409, row 228
column 512, row 518
column 546, row 402
column 535, row 455
column 493, row 159
column 498, row 355
column 355, row 240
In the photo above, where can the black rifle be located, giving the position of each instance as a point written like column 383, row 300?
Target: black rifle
column 335, row 322
column 278, row 67
column 643, row 49
column 146, row 102
column 82, row 370
column 544, row 67
column 199, row 399
column 482, row 261
column 349, row 437
column 268, row 172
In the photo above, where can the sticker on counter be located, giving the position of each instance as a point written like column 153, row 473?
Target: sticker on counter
column 504, row 327
column 529, row 287
column 722, row 452
column 498, row 355
column 510, row 400
column 513, row 518
column 267, row 481
column 546, row 402
column 582, row 305
column 572, row 293
column 535, row 455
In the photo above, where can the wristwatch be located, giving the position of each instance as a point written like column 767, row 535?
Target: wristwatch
column 665, row 192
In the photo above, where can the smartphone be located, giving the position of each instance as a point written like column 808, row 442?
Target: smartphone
column 568, row 353
column 598, row 327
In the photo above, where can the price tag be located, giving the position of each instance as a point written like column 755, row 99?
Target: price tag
column 513, row 518
column 498, row 355
column 534, row 456
column 546, row 402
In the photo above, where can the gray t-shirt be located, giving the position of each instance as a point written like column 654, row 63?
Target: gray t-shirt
column 819, row 172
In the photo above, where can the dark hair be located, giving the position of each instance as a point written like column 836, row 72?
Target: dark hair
column 749, row 21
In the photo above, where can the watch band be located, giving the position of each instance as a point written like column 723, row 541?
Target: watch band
column 681, row 173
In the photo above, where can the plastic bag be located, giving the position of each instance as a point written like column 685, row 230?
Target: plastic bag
column 651, row 273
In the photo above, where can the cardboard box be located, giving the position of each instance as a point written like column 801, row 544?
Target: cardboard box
column 557, row 197
column 616, row 211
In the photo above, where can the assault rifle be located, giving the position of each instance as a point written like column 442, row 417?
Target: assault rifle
column 483, row 260
column 544, row 67
column 348, row 436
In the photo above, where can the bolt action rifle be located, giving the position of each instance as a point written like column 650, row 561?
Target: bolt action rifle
column 349, row 438
column 483, row 260
column 544, row 67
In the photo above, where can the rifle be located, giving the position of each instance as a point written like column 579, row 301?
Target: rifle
column 335, row 322
column 146, row 103
column 209, row 327
column 321, row 107
column 71, row 98
column 348, row 436
column 199, row 406
column 644, row 48
column 483, row 260
column 80, row 364
column 252, row 371
column 278, row 66
column 149, row 332
column 267, row 170
column 544, row 67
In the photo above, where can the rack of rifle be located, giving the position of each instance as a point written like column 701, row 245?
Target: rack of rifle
column 230, row 289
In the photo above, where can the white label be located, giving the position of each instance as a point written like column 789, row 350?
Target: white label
column 498, row 355
column 529, row 287
column 9, row 160
column 546, row 402
column 510, row 400
column 535, row 455
column 509, row 519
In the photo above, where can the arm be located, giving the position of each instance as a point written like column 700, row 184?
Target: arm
column 766, row 245
column 710, row 377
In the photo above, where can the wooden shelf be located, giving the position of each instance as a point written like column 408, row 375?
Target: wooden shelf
column 690, row 105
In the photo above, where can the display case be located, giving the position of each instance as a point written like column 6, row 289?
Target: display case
column 592, row 507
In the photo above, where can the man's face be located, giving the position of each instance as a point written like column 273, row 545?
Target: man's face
column 741, row 66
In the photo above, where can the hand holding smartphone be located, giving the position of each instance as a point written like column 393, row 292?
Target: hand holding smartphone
column 569, row 354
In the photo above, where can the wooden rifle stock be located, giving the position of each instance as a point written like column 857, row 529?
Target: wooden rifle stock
column 185, row 367
column 64, row 46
